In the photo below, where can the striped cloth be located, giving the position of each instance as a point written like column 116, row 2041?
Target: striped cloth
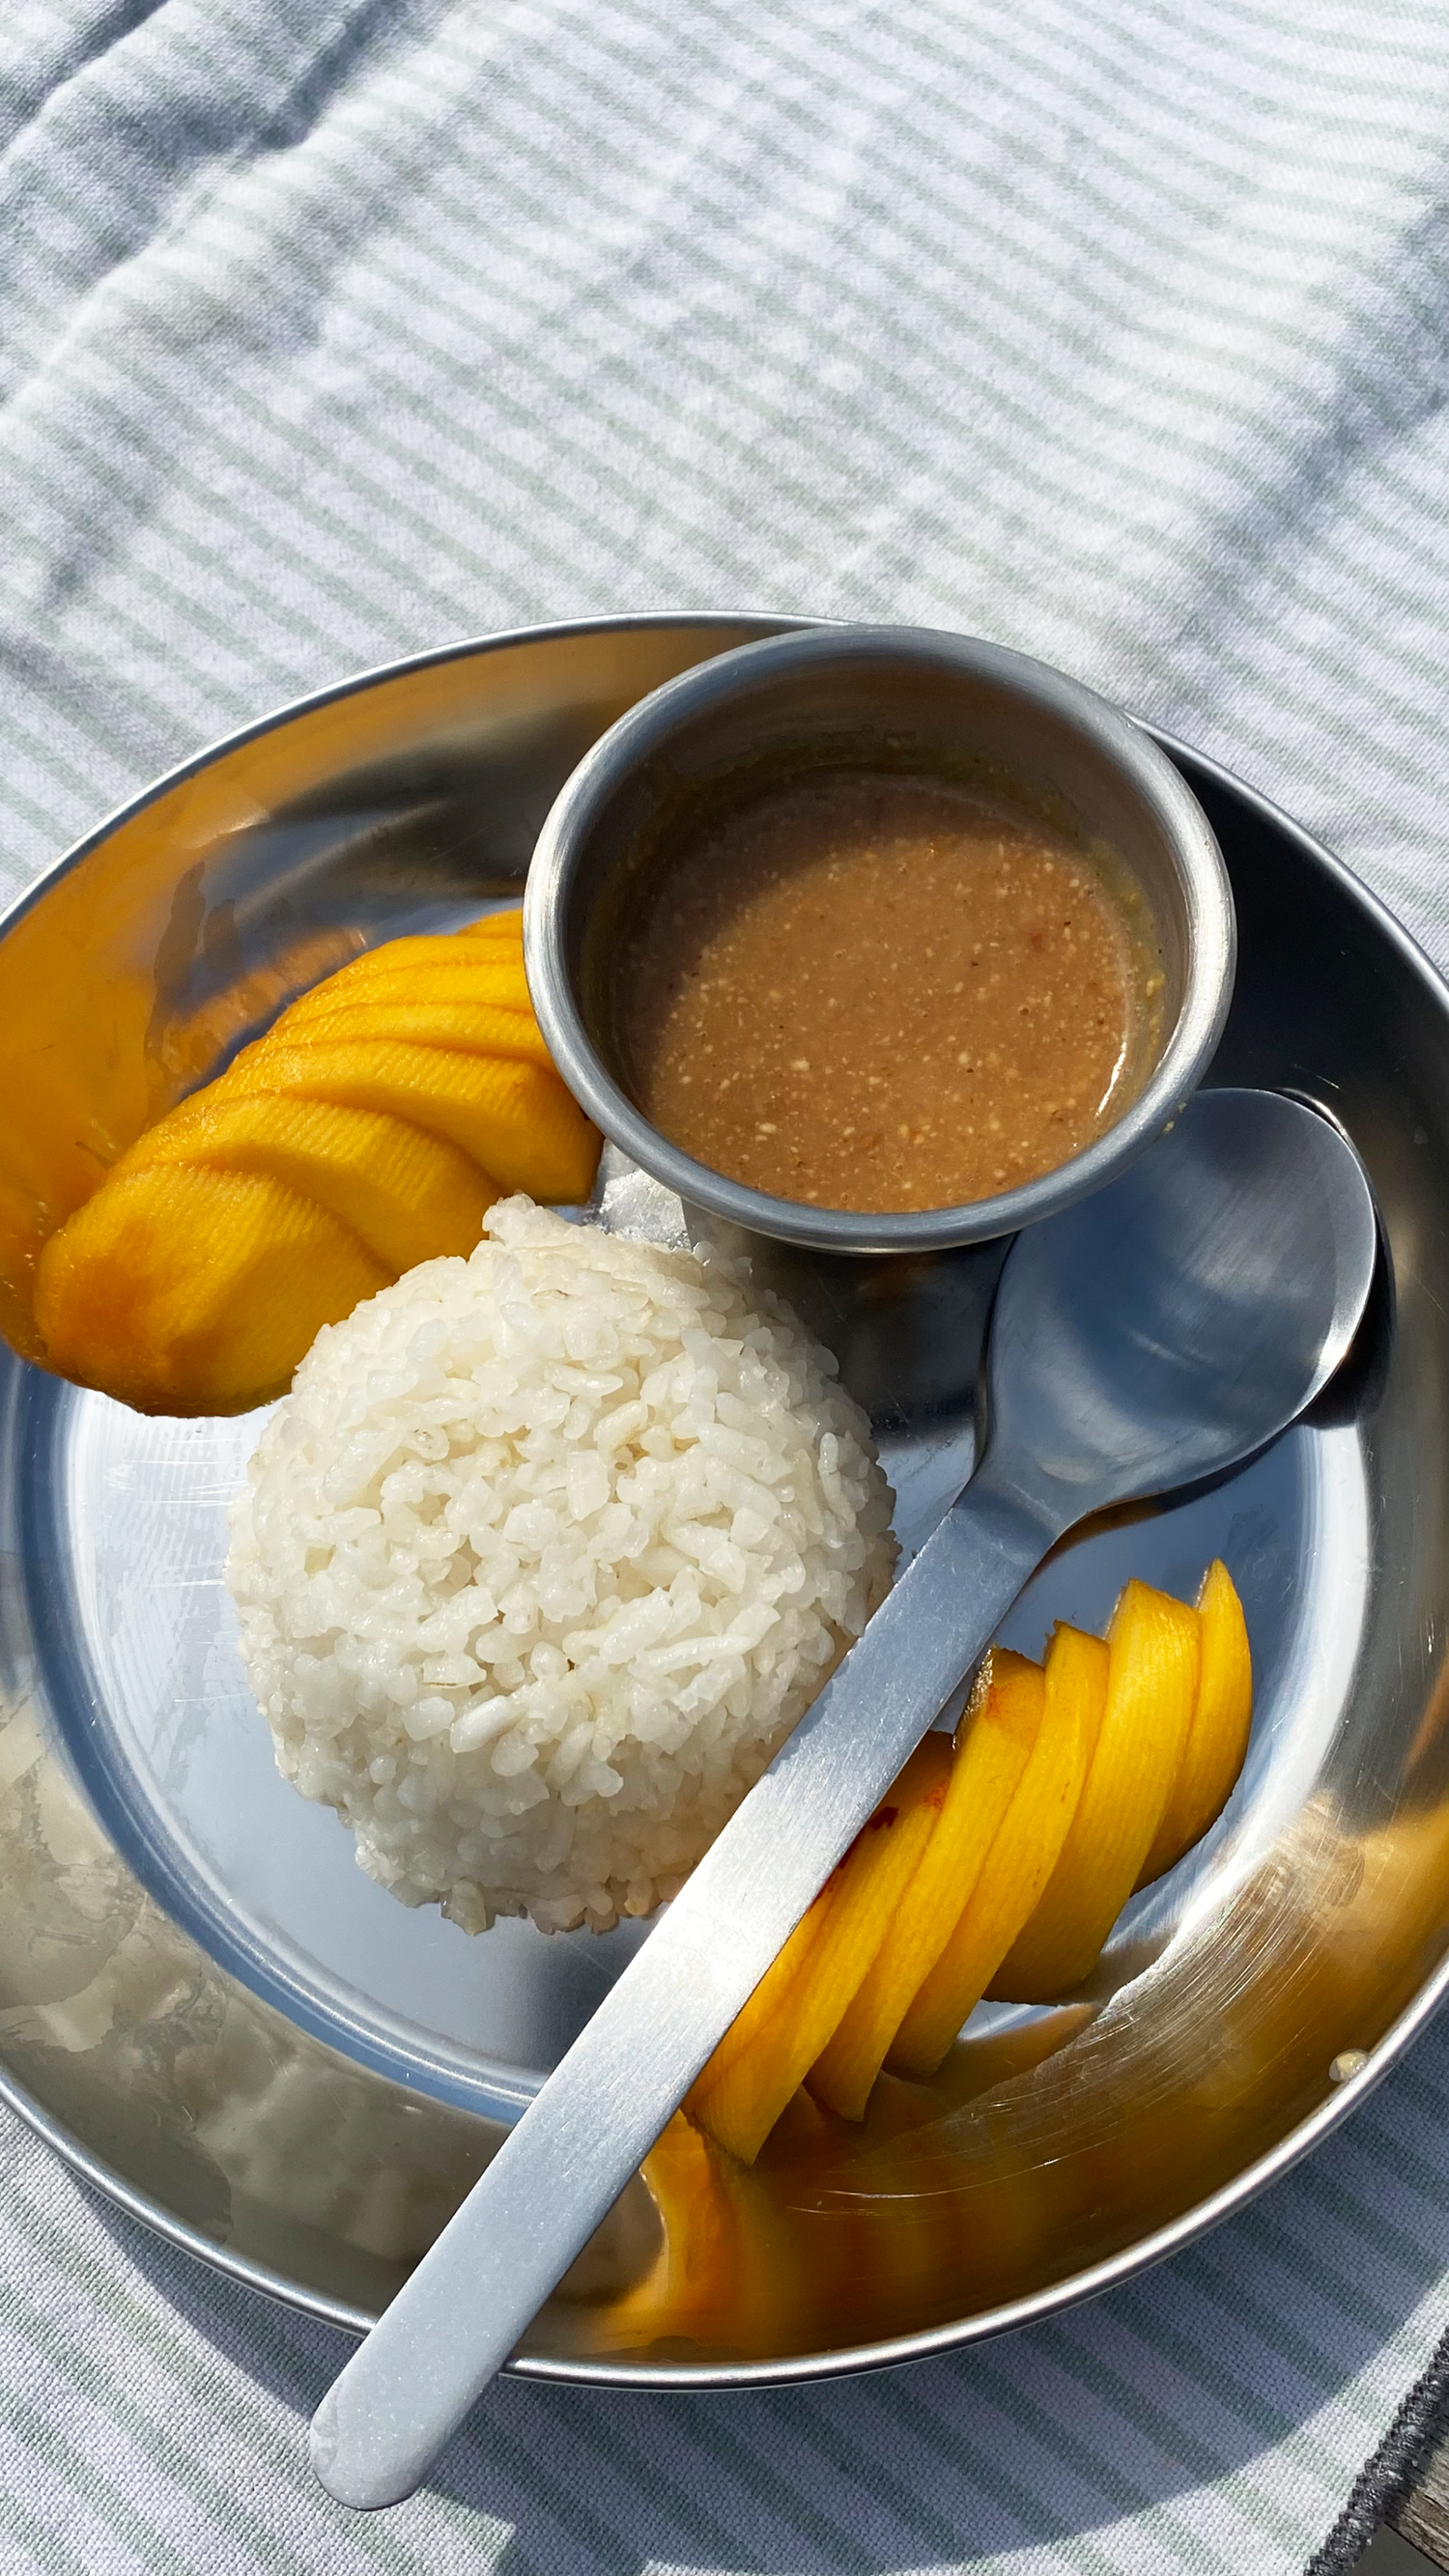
column 335, row 329
column 1213, row 2417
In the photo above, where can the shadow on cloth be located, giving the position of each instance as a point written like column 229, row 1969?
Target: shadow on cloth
column 1134, row 2404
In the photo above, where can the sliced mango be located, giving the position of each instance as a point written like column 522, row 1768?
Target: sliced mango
column 494, row 966
column 393, row 1105
column 449, row 1020
column 1218, row 1736
column 1022, row 1857
column 408, row 1195
column 1154, row 1654
column 457, row 975
column 505, row 924
column 742, row 2091
column 490, row 974
column 766, row 2008
column 1055, row 1781
column 992, row 1744
column 516, row 1120
column 186, row 1291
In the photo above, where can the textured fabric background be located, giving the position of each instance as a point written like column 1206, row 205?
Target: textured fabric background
column 1116, row 331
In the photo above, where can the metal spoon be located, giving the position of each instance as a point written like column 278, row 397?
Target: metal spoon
column 1154, row 1334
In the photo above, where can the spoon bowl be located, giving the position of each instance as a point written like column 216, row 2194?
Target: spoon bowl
column 1165, row 1329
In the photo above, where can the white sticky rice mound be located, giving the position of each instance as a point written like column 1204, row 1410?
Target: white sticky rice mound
column 542, row 1558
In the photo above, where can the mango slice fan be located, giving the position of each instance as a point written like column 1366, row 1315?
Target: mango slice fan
column 999, row 1861
column 371, row 1128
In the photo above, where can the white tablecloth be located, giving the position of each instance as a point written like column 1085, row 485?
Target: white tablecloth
column 337, row 329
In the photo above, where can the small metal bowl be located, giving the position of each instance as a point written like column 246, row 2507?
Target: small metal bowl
column 912, row 699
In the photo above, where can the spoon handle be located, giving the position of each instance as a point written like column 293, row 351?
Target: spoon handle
column 458, row 2317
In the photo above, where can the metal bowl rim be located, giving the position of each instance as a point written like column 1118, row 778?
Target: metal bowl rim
column 1097, row 2279
column 638, row 735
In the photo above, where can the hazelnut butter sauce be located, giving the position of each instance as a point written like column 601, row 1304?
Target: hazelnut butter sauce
column 884, row 993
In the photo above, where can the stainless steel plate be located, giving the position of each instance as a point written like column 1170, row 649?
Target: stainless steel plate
column 203, row 2002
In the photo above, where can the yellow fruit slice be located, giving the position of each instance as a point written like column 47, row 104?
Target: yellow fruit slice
column 488, row 956
column 444, row 1019
column 507, row 924
column 766, row 2007
column 745, row 2086
column 1022, row 1857
column 406, row 1194
column 490, row 971
column 517, row 1121
column 184, row 1291
column 455, row 975
column 1152, row 1676
column 392, row 1104
column 494, row 966
column 1218, row 1737
column 992, row 1744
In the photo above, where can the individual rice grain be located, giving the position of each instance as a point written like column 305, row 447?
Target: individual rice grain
column 542, row 1558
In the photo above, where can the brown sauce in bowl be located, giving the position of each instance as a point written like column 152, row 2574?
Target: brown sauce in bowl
column 885, row 993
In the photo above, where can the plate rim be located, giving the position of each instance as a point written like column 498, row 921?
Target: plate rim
column 1096, row 2279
